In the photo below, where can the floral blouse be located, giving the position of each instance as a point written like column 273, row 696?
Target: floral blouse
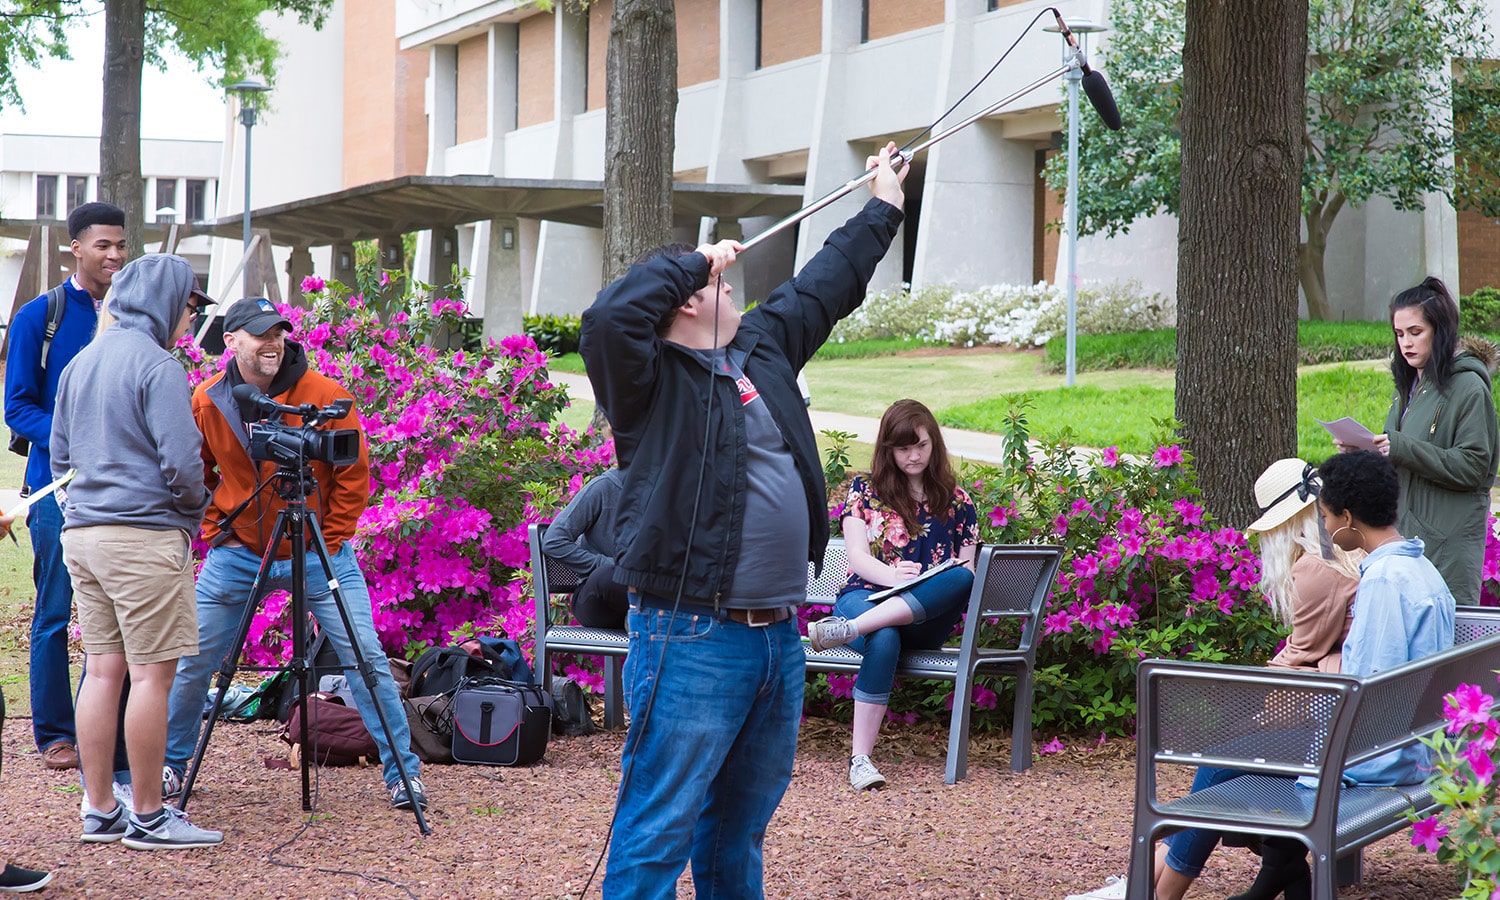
column 889, row 540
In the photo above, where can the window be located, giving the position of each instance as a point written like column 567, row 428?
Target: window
column 46, row 196
column 196, row 200
column 166, row 198
column 78, row 191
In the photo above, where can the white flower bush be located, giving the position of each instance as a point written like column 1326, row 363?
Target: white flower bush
column 1004, row 315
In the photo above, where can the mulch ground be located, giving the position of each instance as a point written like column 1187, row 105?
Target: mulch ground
column 1062, row 827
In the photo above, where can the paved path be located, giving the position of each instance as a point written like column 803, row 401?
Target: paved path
column 975, row 446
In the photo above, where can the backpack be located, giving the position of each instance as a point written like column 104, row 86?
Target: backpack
column 336, row 733
column 441, row 669
column 570, row 708
column 57, row 304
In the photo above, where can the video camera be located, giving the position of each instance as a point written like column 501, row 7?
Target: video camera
column 290, row 446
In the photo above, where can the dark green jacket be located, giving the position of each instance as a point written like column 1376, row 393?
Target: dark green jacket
column 1446, row 449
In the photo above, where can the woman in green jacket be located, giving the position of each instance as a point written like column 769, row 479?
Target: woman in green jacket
column 1441, row 433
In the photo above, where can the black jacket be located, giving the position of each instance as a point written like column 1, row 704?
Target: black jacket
column 656, row 394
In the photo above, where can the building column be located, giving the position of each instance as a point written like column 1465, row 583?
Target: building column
column 503, row 95
column 442, row 106
column 502, row 279
column 299, row 265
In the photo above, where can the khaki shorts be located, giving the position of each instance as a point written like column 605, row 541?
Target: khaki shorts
column 134, row 590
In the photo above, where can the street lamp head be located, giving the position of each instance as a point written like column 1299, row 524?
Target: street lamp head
column 249, row 86
column 1078, row 26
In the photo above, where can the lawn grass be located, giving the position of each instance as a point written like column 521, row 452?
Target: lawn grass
column 16, row 600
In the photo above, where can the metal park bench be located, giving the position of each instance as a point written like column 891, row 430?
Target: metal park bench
column 1277, row 725
column 1010, row 582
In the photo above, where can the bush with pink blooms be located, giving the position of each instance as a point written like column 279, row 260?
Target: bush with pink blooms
column 1466, row 833
column 465, row 452
column 1145, row 573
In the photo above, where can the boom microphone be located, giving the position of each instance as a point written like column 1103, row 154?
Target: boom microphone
column 1094, row 84
column 250, row 398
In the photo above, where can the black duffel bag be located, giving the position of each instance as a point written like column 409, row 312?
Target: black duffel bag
column 500, row 723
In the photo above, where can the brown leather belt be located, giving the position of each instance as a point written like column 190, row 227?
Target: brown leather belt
column 755, row 618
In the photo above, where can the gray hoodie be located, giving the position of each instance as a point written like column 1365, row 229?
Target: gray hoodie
column 124, row 416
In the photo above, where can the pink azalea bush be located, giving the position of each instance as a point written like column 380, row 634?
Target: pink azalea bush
column 1465, row 833
column 1146, row 572
column 465, row 453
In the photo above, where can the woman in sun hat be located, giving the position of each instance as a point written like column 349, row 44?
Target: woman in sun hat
column 1309, row 582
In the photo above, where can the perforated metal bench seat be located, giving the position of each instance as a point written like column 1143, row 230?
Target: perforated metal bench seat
column 1276, row 725
column 1010, row 582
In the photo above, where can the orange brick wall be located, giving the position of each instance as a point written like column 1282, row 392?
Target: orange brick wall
column 697, row 41
column 411, row 113
column 599, row 13
column 1046, row 225
column 888, row 17
column 534, row 72
column 1478, row 252
column 472, row 92
column 789, row 29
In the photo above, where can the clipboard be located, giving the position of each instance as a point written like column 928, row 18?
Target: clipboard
column 945, row 565
column 20, row 508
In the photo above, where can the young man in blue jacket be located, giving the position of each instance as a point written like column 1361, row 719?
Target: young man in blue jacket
column 716, row 668
column 97, row 231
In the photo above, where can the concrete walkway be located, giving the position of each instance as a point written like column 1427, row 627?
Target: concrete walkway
column 975, row 446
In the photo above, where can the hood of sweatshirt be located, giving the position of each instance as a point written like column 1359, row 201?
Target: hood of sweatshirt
column 150, row 293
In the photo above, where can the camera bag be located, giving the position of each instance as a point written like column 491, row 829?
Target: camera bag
column 336, row 732
column 500, row 723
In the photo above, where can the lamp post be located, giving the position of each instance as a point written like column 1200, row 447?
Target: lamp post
column 1082, row 28
column 247, row 91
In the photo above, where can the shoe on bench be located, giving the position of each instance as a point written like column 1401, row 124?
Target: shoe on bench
column 834, row 631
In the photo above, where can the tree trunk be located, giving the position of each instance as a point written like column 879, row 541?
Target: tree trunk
column 639, row 130
column 1310, row 270
column 1242, row 132
column 120, row 132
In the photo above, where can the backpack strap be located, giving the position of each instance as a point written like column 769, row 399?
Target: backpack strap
column 57, row 304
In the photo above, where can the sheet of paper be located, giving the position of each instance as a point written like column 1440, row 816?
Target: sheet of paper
column 19, row 509
column 943, row 566
column 1348, row 431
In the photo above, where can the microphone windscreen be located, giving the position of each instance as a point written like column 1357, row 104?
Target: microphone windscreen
column 245, row 393
column 1099, row 95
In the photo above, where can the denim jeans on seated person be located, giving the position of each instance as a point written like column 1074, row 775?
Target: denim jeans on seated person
column 936, row 605
column 224, row 585
column 707, row 763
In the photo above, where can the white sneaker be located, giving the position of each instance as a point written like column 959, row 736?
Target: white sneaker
column 1113, row 889
column 825, row 634
column 863, row 775
column 171, row 832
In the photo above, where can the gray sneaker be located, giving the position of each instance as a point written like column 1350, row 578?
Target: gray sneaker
column 170, row 831
column 834, row 631
column 124, row 795
column 104, row 828
column 863, row 775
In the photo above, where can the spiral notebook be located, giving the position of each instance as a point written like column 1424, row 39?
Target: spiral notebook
column 892, row 591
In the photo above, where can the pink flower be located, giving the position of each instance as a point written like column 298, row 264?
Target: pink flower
column 1428, row 834
column 1479, row 760
column 313, row 284
column 1191, row 513
column 1053, row 746
column 1164, row 457
column 1110, row 457
column 1466, row 706
column 1000, row 516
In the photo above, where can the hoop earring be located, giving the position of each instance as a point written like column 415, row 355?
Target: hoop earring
column 1334, row 537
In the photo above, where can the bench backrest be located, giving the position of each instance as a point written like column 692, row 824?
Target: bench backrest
column 1470, row 623
column 548, row 576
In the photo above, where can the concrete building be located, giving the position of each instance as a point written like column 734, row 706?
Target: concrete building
column 44, row 177
column 771, row 92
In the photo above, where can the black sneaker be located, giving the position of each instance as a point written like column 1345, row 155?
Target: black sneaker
column 401, row 800
column 16, row 880
column 104, row 828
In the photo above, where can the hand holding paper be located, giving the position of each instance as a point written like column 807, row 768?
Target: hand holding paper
column 1350, row 433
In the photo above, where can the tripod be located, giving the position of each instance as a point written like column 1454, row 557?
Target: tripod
column 295, row 522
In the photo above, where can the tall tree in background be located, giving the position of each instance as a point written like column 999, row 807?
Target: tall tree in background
column 639, row 130
column 1378, row 121
column 220, row 36
column 1242, row 155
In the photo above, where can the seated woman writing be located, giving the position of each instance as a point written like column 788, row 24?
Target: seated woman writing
column 910, row 516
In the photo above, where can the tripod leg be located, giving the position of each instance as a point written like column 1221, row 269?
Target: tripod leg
column 366, row 669
column 229, row 665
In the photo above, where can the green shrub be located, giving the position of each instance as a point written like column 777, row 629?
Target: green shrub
column 1480, row 311
column 865, row 349
column 1317, row 342
column 554, row 335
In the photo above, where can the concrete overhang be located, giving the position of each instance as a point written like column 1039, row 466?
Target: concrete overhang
column 420, row 202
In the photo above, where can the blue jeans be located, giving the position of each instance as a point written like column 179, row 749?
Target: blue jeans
column 936, row 605
column 224, row 585
column 51, row 685
column 710, row 765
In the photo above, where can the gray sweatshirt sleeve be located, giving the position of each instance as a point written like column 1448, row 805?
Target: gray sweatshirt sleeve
column 169, row 415
column 563, row 541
